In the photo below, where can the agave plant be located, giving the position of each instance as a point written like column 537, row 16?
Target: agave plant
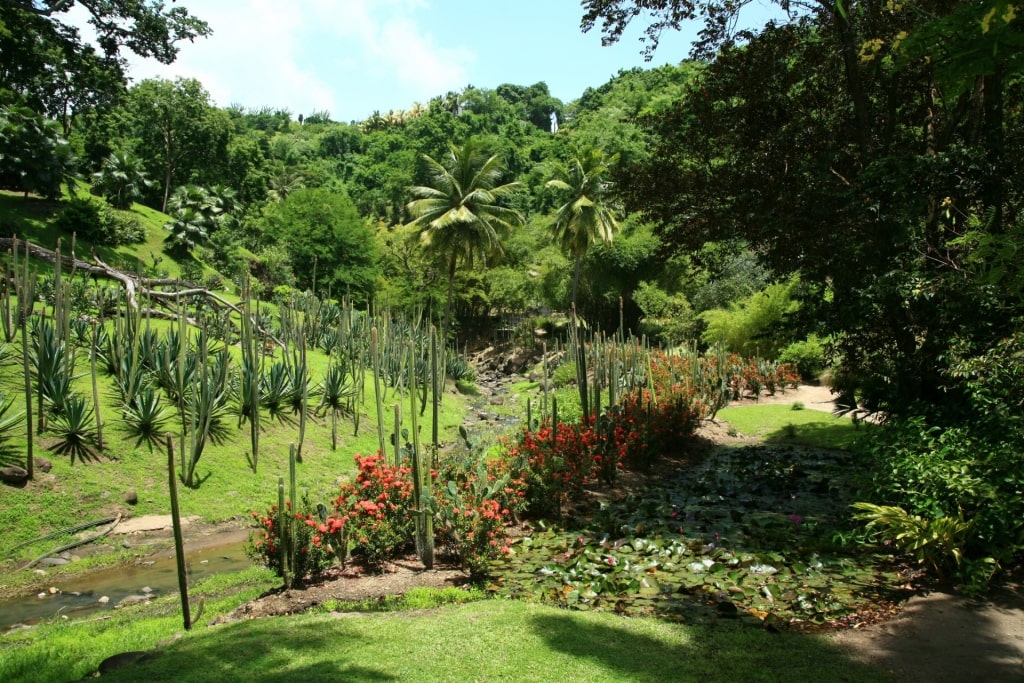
column 10, row 422
column 145, row 418
column 53, row 366
column 337, row 391
column 275, row 392
column 74, row 428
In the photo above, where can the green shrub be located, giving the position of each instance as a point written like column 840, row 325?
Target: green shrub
column 564, row 375
column 808, row 356
column 966, row 472
column 95, row 222
column 83, row 217
column 753, row 327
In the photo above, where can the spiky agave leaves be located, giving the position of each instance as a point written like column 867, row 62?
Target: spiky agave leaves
column 74, row 429
column 145, row 418
column 9, row 422
column 337, row 391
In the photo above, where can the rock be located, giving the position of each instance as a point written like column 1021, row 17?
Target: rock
column 53, row 561
column 103, row 600
column 131, row 497
column 54, row 590
column 12, row 474
column 42, row 464
column 133, row 600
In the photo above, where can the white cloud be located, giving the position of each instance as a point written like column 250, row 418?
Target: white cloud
column 345, row 56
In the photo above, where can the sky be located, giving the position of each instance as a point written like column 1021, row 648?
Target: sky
column 353, row 57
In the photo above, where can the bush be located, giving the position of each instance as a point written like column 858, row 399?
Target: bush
column 753, row 327
column 83, row 217
column 960, row 472
column 315, row 544
column 95, row 222
column 564, row 375
column 808, row 356
column 475, row 499
column 376, row 509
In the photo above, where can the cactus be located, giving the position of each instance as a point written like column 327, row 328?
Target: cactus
column 179, row 545
column 422, row 502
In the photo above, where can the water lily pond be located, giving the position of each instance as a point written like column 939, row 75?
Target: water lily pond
column 760, row 533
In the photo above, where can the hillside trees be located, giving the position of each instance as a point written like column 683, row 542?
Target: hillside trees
column 184, row 135
column 34, row 157
column 867, row 194
column 585, row 216
column 460, row 215
column 45, row 62
column 323, row 233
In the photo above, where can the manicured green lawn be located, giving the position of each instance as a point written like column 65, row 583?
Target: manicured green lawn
column 490, row 640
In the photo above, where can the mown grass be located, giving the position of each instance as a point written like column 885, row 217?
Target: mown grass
column 489, row 640
column 781, row 424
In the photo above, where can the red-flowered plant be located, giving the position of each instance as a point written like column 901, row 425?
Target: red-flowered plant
column 309, row 550
column 473, row 506
column 376, row 507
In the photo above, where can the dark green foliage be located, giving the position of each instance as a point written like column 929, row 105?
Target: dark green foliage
column 955, row 472
column 322, row 231
column 75, row 429
column 121, row 180
column 808, row 356
column 33, row 155
column 145, row 418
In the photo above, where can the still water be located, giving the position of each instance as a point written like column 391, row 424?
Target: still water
column 156, row 576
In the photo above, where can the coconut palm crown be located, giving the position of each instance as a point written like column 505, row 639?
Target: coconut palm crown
column 459, row 216
column 585, row 217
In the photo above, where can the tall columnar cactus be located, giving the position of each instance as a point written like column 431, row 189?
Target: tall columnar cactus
column 25, row 285
column 422, row 499
column 379, row 399
column 437, row 383
column 179, row 545
column 250, row 384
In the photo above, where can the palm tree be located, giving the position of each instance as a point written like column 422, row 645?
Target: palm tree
column 121, row 179
column 585, row 217
column 189, row 228
column 459, row 215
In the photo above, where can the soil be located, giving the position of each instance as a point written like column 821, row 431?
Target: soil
column 936, row 635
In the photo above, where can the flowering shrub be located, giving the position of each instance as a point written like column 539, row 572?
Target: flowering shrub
column 642, row 430
column 376, row 509
column 473, row 507
column 558, row 461
column 312, row 544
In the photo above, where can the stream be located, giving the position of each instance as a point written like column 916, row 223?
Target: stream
column 152, row 577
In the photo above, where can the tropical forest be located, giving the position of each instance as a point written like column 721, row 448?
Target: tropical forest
column 705, row 375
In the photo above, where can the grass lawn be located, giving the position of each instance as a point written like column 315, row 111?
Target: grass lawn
column 489, row 640
column 781, row 424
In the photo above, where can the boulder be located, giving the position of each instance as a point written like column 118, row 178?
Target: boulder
column 12, row 474
column 43, row 465
column 131, row 497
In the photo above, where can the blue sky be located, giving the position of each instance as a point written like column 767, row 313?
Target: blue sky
column 352, row 57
